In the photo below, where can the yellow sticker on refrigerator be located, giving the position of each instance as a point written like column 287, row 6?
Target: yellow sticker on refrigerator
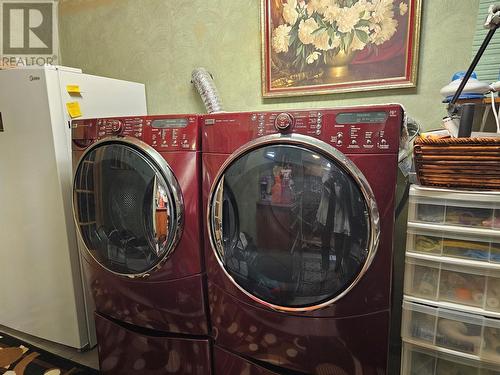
column 74, row 109
column 73, row 89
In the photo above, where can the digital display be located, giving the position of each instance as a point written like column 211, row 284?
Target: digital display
column 169, row 123
column 361, row 118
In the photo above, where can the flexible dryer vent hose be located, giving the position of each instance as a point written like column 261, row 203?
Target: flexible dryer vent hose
column 205, row 85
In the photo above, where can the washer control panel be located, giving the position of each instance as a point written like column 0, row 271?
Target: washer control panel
column 164, row 133
column 370, row 129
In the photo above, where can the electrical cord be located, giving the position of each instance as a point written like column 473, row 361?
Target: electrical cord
column 495, row 114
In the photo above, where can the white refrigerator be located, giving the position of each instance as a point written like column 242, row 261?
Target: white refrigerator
column 42, row 292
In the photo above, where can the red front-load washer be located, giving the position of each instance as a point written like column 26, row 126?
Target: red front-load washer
column 136, row 197
column 299, row 210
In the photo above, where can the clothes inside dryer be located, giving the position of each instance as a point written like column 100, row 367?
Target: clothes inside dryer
column 290, row 225
column 123, row 208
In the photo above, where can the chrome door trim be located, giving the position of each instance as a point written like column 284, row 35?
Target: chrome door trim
column 152, row 156
column 327, row 151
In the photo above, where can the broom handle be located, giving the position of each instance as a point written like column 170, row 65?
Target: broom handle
column 452, row 109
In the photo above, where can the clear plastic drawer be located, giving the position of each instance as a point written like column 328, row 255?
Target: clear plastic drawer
column 466, row 245
column 417, row 360
column 453, row 283
column 474, row 335
column 453, row 207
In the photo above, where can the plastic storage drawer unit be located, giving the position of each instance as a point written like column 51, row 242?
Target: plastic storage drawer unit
column 420, row 361
column 454, row 208
column 477, row 245
column 471, row 336
column 460, row 284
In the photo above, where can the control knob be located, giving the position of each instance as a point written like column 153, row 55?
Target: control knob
column 116, row 126
column 283, row 122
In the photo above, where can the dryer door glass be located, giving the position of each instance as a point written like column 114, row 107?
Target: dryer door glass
column 292, row 227
column 125, row 208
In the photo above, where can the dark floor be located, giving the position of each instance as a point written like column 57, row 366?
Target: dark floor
column 87, row 358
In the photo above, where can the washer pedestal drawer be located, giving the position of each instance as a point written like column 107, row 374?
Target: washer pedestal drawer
column 124, row 350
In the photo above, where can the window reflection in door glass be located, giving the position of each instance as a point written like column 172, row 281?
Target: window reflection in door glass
column 290, row 225
column 123, row 208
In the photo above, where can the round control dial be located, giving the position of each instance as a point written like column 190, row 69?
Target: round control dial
column 116, row 126
column 283, row 121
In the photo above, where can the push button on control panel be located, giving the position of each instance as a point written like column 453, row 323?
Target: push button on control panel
column 283, row 121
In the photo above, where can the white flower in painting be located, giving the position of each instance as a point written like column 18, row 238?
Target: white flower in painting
column 306, row 29
column 382, row 10
column 313, row 57
column 318, row 6
column 321, row 41
column 384, row 31
column 290, row 13
column 347, row 19
column 363, row 6
column 403, row 8
column 331, row 13
column 281, row 38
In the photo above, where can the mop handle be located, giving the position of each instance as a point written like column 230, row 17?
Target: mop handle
column 452, row 106
column 493, row 23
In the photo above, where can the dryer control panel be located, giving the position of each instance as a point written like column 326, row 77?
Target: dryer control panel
column 164, row 133
column 369, row 129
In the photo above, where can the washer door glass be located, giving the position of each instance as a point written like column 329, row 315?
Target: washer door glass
column 125, row 209
column 291, row 226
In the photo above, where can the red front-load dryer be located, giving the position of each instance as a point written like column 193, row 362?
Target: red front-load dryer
column 299, row 212
column 136, row 196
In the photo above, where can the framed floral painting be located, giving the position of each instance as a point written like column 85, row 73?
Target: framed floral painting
column 326, row 46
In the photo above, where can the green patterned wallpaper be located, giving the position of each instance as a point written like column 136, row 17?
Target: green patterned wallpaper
column 160, row 42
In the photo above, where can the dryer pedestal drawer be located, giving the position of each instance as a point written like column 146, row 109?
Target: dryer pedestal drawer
column 123, row 351
column 174, row 306
column 229, row 363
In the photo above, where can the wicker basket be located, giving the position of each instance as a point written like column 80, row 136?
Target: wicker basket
column 471, row 163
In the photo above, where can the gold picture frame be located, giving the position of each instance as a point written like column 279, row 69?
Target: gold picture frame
column 312, row 47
